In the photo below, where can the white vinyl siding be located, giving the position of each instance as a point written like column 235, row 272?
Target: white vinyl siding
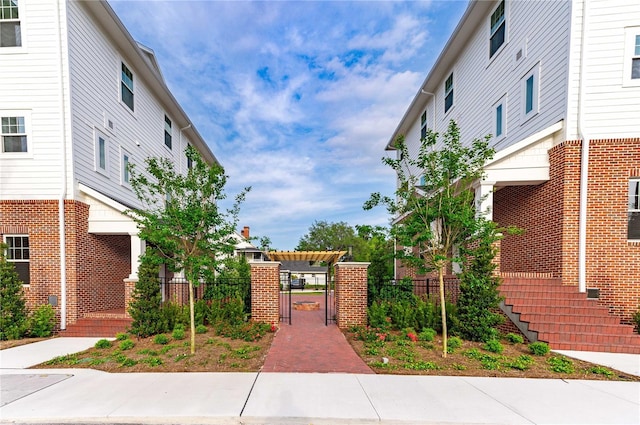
column 611, row 98
column 31, row 86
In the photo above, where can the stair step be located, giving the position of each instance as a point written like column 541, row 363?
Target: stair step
column 565, row 302
column 551, row 295
column 545, row 309
column 96, row 327
column 587, row 328
column 589, row 338
column 547, row 289
column 603, row 348
column 568, row 318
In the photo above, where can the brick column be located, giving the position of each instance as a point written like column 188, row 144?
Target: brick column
column 129, row 286
column 351, row 294
column 265, row 291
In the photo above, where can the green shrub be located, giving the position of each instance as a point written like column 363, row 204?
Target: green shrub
column 146, row 305
column 539, row 348
column 427, row 334
column 178, row 333
column 479, row 296
column 127, row 344
column 42, row 321
column 522, row 362
column 600, row 370
column 636, row 320
column 493, row 346
column 161, row 339
column 13, row 309
column 121, row 336
column 560, row 364
column 453, row 343
column 515, row 338
column 201, row 329
column 103, row 343
column 377, row 314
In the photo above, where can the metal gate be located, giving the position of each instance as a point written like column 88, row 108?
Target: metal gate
column 285, row 297
column 329, row 302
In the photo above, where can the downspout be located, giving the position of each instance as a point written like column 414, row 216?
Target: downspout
column 63, row 185
column 584, row 161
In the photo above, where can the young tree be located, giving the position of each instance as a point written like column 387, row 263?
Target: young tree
column 182, row 220
column 325, row 236
column 434, row 203
column 379, row 251
column 13, row 309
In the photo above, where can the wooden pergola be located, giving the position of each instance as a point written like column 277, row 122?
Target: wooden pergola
column 329, row 257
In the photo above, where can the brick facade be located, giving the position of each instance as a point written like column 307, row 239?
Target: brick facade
column 549, row 215
column 351, row 294
column 95, row 264
column 265, row 291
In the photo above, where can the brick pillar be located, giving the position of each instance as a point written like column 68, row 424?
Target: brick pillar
column 129, row 286
column 351, row 294
column 496, row 260
column 265, row 291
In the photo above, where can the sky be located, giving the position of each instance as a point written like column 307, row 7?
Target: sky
column 296, row 99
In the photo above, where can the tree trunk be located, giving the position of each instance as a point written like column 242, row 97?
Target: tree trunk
column 192, row 319
column 443, row 310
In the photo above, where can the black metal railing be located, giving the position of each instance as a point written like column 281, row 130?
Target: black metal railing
column 405, row 289
column 177, row 290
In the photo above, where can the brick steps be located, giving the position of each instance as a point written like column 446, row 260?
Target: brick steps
column 96, row 327
column 565, row 318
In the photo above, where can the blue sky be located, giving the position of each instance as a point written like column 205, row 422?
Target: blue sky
column 296, row 99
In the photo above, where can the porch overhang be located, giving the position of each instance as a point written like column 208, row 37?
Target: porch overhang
column 106, row 216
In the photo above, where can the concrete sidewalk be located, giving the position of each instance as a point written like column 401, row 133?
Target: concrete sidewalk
column 89, row 396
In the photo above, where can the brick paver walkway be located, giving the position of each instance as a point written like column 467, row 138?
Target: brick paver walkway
column 307, row 345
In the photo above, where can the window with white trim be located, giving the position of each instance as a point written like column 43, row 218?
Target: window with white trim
column 125, row 160
column 530, row 92
column 101, row 152
column 189, row 161
column 18, row 254
column 497, row 29
column 14, row 134
column 126, row 84
column 167, row 132
column 631, row 68
column 10, row 29
column 633, row 228
column 423, row 125
column 448, row 93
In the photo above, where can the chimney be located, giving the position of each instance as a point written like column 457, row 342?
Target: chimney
column 245, row 232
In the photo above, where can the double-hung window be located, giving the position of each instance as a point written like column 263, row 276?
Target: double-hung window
column 10, row 30
column 13, row 133
column 633, row 228
column 167, row 132
column 631, row 68
column 498, row 29
column 423, row 125
column 189, row 162
column 126, row 84
column 18, row 254
column 448, row 93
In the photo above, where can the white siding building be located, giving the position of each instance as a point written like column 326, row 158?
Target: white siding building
column 79, row 100
column 557, row 85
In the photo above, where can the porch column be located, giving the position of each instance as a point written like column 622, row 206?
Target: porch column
column 137, row 248
column 484, row 199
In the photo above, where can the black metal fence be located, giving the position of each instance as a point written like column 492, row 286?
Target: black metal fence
column 177, row 290
column 405, row 289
